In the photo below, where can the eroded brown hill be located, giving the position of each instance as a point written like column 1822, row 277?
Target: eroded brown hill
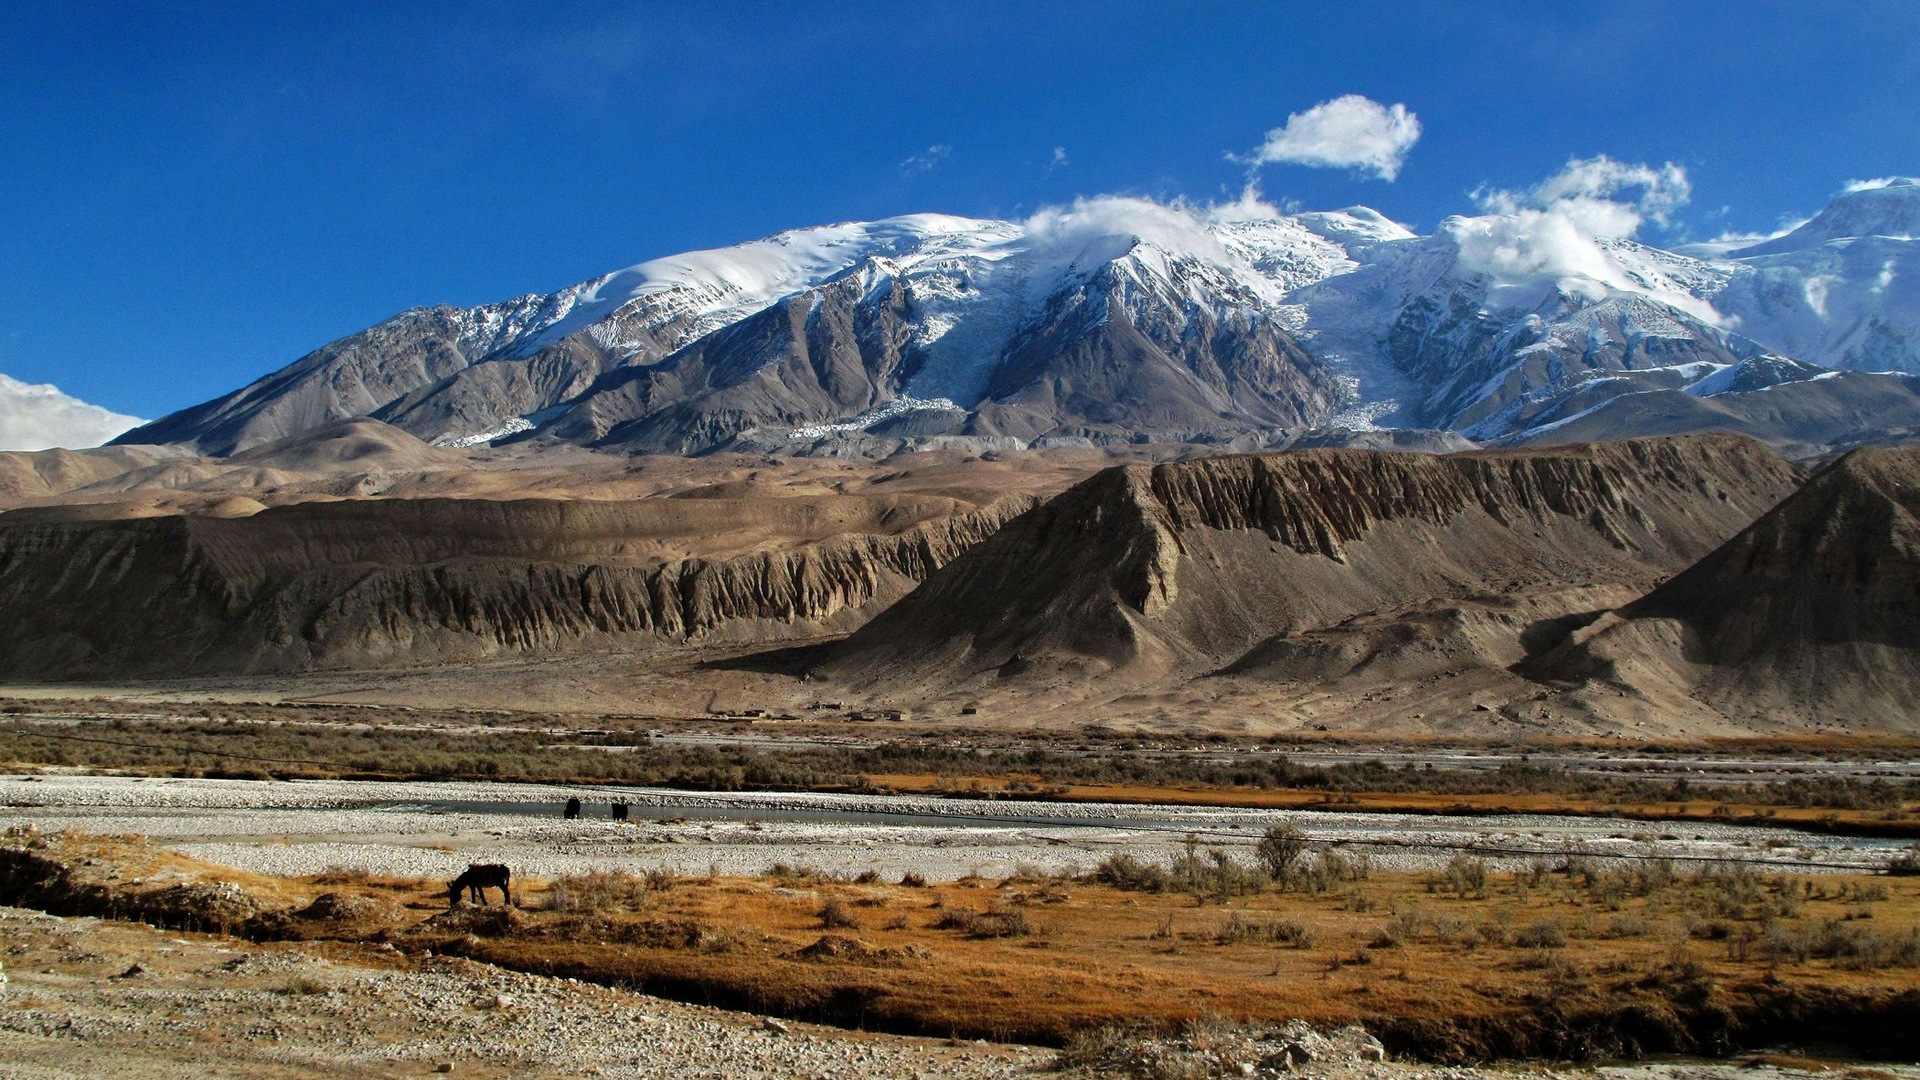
column 372, row 583
column 1274, row 577
column 1810, row 615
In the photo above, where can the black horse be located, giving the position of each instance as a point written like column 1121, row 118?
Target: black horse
column 620, row 811
column 573, row 809
column 478, row 878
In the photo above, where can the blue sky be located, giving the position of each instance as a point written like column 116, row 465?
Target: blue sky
column 194, row 194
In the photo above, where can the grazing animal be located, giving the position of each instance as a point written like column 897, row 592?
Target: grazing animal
column 478, row 878
column 619, row 811
column 573, row 809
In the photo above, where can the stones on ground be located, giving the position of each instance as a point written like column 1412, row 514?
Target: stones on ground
column 775, row 1025
column 1214, row 1051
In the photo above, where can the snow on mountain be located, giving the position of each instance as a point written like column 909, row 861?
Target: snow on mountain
column 1843, row 289
column 1888, row 208
column 1495, row 319
column 718, row 287
column 40, row 417
column 1114, row 316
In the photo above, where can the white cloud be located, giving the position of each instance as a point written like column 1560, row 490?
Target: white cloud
column 39, row 417
column 1250, row 206
column 926, row 159
column 1876, row 183
column 1730, row 240
column 1550, row 233
column 1059, row 158
column 1105, row 227
column 1588, row 191
column 1347, row 132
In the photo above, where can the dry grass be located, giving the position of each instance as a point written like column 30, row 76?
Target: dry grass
column 1494, row 968
column 1579, row 958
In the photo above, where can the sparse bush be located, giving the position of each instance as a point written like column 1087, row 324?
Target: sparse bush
column 913, row 879
column 1406, row 925
column 834, row 914
column 1239, row 929
column 1541, row 934
column 996, row 922
column 1212, row 873
column 337, row 874
column 1089, row 1048
column 1124, row 871
column 1846, row 944
column 1465, row 875
column 867, row 877
column 1865, row 892
column 598, row 891
column 1907, row 863
column 1626, row 926
column 1278, row 849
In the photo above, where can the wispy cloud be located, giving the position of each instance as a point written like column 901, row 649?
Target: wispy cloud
column 926, row 159
column 37, row 416
column 1347, row 132
column 1059, row 159
column 1602, row 197
column 1549, row 232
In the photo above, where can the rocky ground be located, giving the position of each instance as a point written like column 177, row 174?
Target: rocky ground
column 294, row 828
column 88, row 998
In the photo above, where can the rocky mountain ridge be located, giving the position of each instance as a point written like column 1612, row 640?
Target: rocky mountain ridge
column 374, row 583
column 1258, row 566
column 1118, row 320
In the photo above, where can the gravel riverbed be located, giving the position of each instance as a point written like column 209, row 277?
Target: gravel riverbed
column 304, row 827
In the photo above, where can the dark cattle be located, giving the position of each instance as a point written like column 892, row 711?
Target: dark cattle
column 573, row 809
column 619, row 811
column 479, row 878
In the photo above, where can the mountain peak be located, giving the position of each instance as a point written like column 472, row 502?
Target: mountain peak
column 1889, row 207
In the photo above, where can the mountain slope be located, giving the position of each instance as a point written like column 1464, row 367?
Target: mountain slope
column 1119, row 320
column 1310, row 566
column 1807, row 615
column 412, row 582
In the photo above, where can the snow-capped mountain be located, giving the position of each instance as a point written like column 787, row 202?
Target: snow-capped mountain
column 1122, row 319
column 1504, row 327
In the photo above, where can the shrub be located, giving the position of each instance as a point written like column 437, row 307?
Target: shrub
column 1626, row 926
column 1541, row 934
column 1279, row 848
column 834, row 915
column 1465, row 875
column 913, row 879
column 1124, row 871
column 597, row 891
column 1238, row 928
column 998, row 921
column 1848, row 945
